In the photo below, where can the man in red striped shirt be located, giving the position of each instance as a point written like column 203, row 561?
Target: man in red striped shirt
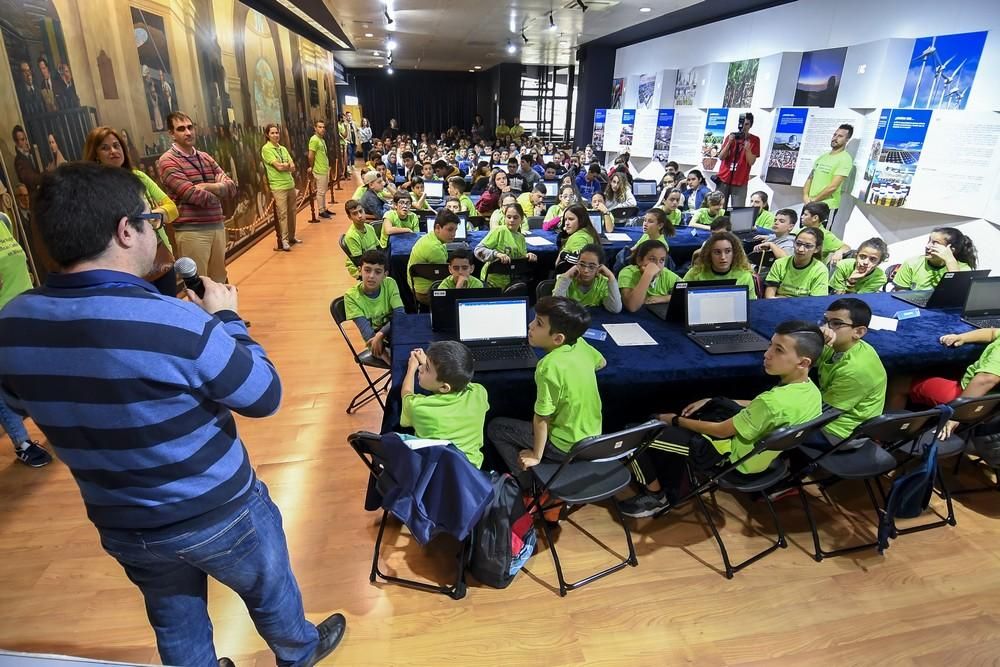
column 195, row 181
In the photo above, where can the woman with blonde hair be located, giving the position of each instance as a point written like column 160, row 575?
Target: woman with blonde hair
column 105, row 146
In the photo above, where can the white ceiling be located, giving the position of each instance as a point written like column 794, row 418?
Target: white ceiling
column 465, row 34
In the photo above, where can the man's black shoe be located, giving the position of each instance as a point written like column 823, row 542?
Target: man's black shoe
column 331, row 631
column 226, row 662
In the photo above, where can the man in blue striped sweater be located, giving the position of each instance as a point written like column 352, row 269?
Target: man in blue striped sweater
column 135, row 392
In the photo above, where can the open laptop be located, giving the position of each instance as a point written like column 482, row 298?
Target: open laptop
column 443, row 304
column 742, row 219
column 982, row 305
column 434, row 191
column 597, row 220
column 718, row 319
column 949, row 293
column 461, row 232
column 496, row 331
column 551, row 189
column 675, row 310
column 644, row 190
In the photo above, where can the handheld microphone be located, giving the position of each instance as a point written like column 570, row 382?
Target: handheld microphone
column 188, row 272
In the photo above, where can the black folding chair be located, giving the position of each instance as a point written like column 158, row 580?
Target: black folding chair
column 364, row 360
column 369, row 448
column 535, row 221
column 865, row 455
column 517, row 289
column 545, row 288
column 971, row 414
column 519, row 270
column 431, row 272
column 732, row 480
column 595, row 469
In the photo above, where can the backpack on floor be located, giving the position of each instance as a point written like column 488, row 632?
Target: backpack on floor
column 504, row 538
column 909, row 496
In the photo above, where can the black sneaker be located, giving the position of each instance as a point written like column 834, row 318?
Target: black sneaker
column 331, row 631
column 226, row 662
column 33, row 455
column 325, row 214
column 644, row 504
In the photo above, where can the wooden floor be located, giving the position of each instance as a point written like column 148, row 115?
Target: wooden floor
column 933, row 599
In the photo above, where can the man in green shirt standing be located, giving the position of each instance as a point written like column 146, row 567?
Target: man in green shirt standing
column 829, row 172
column 319, row 167
column 279, row 167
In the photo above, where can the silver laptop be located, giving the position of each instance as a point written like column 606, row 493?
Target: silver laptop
column 644, row 188
column 496, row 332
column 551, row 188
column 434, row 189
column 982, row 305
column 718, row 319
column 742, row 219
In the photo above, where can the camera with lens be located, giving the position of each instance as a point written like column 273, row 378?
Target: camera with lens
column 742, row 123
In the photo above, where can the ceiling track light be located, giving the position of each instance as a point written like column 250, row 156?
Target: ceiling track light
column 581, row 5
column 510, row 46
column 523, row 36
column 552, row 22
column 388, row 19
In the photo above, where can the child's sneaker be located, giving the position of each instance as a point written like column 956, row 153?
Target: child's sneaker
column 33, row 455
column 644, row 504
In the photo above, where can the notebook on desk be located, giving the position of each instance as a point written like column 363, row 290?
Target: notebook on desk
column 443, row 304
column 718, row 319
column 949, row 293
column 982, row 305
column 496, row 332
column 675, row 310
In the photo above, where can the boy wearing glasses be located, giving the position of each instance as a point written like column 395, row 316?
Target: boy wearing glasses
column 589, row 282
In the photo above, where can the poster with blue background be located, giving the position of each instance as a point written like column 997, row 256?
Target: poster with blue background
column 715, row 132
column 784, row 153
column 628, row 129
column 901, row 141
column 597, row 140
column 942, row 70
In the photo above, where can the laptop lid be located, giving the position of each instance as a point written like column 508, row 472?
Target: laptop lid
column 742, row 218
column 644, row 188
column 551, row 188
column 463, row 225
column 443, row 304
column 434, row 189
column 678, row 300
column 720, row 308
column 501, row 321
column 597, row 220
column 547, row 158
column 983, row 299
column 953, row 289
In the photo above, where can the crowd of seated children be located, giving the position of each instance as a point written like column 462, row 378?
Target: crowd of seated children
column 801, row 273
column 589, row 282
column 861, row 274
column 460, row 271
column 647, row 280
column 764, row 219
column 722, row 258
column 597, row 203
column 399, row 220
column 814, row 215
column 532, row 201
column 454, row 407
column 373, row 302
column 947, row 249
column 430, row 249
column 359, row 237
column 730, row 429
column 499, row 219
column 502, row 245
column 577, row 231
column 567, row 403
column 619, row 191
column 693, row 191
column 553, row 216
column 711, row 208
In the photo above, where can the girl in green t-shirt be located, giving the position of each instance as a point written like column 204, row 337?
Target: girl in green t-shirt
column 711, row 208
column 802, row 273
column 648, row 280
column 656, row 226
column 553, row 216
column 577, row 231
column 861, row 274
column 671, row 205
column 765, row 218
column 502, row 245
column 597, row 203
column 722, row 258
column 499, row 218
column 947, row 249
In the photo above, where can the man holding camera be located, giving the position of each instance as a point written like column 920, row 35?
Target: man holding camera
column 739, row 151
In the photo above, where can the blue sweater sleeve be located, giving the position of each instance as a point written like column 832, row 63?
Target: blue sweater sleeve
column 235, row 371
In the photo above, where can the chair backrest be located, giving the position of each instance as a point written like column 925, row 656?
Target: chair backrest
column 339, row 313
column 429, row 271
column 617, row 445
column 545, row 288
column 535, row 221
column 789, row 437
column 758, row 284
column 343, row 246
column 377, row 226
column 517, row 267
column 517, row 289
column 970, row 410
column 423, row 213
column 435, row 285
column 369, row 447
column 478, row 222
column 896, row 428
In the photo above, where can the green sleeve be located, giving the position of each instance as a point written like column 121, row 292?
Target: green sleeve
column 904, row 276
column 777, row 272
column 838, row 283
column 844, row 165
column 406, row 414
column 821, row 280
column 753, row 421
column 547, row 394
column 393, row 292
column 629, row 277
column 351, row 307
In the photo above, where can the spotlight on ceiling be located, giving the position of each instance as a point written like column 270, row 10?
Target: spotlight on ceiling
column 391, row 45
column 510, row 46
column 552, row 23
column 389, row 71
column 581, row 5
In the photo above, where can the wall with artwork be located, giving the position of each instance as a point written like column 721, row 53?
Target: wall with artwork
column 75, row 64
column 810, row 65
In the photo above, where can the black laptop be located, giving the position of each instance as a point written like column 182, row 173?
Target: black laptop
column 644, row 191
column 742, row 219
column 949, row 293
column 718, row 319
column 443, row 304
column 496, row 331
column 675, row 310
column 982, row 305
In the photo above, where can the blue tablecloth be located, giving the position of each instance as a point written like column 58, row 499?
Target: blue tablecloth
column 642, row 380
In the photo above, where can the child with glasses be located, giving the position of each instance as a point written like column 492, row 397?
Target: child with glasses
column 801, row 274
column 589, row 282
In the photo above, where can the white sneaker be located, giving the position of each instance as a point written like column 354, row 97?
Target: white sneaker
column 285, row 246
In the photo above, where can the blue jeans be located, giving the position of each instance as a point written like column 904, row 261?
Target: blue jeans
column 246, row 551
column 351, row 154
column 12, row 423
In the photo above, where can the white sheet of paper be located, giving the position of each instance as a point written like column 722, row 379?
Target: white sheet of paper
column 420, row 443
column 618, row 236
column 537, row 241
column 883, row 323
column 630, row 334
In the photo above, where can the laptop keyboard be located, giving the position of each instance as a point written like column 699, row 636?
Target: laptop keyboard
column 919, row 298
column 990, row 323
column 730, row 339
column 501, row 352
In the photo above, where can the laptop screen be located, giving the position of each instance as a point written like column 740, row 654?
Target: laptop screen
column 984, row 296
column 742, row 218
column 481, row 321
column 462, row 226
column 551, row 188
column 596, row 220
column 547, row 158
column 717, row 305
column 644, row 188
column 434, row 189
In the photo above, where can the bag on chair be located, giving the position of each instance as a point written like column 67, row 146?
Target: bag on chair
column 504, row 538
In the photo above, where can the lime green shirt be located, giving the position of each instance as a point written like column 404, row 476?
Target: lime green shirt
column 359, row 193
column 577, row 240
column 507, row 242
column 14, row 275
column 555, row 211
column 524, row 199
column 467, row 205
column 645, row 237
column 157, row 198
column 741, row 276
column 498, row 219
column 673, row 216
column 813, row 280
column 566, row 384
column 705, row 217
column 831, row 243
column 824, row 169
column 357, row 243
column 662, row 285
column 376, row 309
column 458, row 417
column 917, row 273
column 988, row 362
column 278, row 180
column 411, row 222
column 854, row 382
column 427, row 250
column 471, row 282
column 765, row 220
column 321, row 163
column 593, row 297
column 414, row 198
column 784, row 405
column 873, row 282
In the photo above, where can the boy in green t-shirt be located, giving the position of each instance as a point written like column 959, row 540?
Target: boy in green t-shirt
column 455, row 407
column 372, row 303
column 815, row 215
column 460, row 272
column 532, row 202
column 567, row 403
column 399, row 220
column 430, row 249
column 456, row 188
column 648, row 280
column 589, row 282
column 795, row 348
column 861, row 274
column 800, row 274
column 358, row 238
column 418, row 196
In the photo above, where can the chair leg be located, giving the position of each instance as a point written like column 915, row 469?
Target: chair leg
column 715, row 533
column 804, row 497
column 455, row 591
column 555, row 557
column 820, row 552
column 378, row 546
column 369, row 393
